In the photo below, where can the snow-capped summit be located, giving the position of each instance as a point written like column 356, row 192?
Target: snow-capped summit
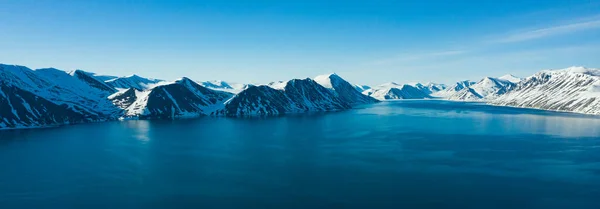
column 179, row 99
column 216, row 84
column 429, row 88
column 388, row 85
column 511, row 78
column 466, row 94
column 296, row 96
column 132, row 81
column 392, row 91
column 92, row 81
column 449, row 91
column 224, row 86
column 325, row 79
column 486, row 89
column 342, row 88
column 280, row 85
column 489, row 88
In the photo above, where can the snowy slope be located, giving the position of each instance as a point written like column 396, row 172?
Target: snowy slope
column 344, row 90
column 22, row 109
column 65, row 92
column 59, row 87
column 180, row 99
column 489, row 88
column 392, row 91
column 133, row 81
column 511, row 78
column 91, row 81
column 361, row 88
column 429, row 88
column 297, row 96
column 224, row 86
column 451, row 90
column 574, row 89
column 280, row 85
column 124, row 98
column 466, row 94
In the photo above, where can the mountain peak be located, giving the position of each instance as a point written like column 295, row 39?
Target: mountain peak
column 133, row 76
column 389, row 84
column 325, row 79
column 511, row 78
column 183, row 80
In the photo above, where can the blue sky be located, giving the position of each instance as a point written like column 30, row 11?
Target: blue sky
column 369, row 42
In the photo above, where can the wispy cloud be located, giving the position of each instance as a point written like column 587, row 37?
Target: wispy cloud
column 418, row 56
column 573, row 27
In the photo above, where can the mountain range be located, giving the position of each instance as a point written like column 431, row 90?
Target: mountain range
column 50, row 97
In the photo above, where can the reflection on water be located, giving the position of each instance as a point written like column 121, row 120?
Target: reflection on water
column 140, row 127
column 408, row 154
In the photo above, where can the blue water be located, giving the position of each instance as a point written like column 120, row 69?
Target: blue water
column 410, row 154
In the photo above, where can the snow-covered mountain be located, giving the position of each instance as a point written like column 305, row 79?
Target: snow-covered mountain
column 180, row 99
column 465, row 94
column 278, row 84
column 64, row 98
column 511, row 78
column 429, row 88
column 23, row 109
column 132, row 81
column 91, row 81
column 574, row 89
column 453, row 89
column 76, row 90
column 124, row 98
column 344, row 90
column 487, row 88
column 297, row 96
column 392, row 91
column 224, row 86
column 47, row 97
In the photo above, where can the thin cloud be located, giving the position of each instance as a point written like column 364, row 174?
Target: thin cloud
column 556, row 30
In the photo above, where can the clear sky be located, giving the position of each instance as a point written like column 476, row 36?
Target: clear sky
column 369, row 42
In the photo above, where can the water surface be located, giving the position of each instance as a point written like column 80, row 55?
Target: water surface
column 408, row 154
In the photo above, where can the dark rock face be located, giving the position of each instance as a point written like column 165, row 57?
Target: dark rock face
column 394, row 91
column 406, row 92
column 298, row 96
column 348, row 93
column 258, row 100
column 308, row 95
column 65, row 94
column 184, row 98
column 125, row 99
column 466, row 94
column 20, row 109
